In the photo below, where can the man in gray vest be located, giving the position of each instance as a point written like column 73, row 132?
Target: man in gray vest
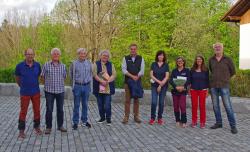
column 133, row 67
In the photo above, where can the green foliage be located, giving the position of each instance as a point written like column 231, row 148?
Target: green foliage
column 7, row 75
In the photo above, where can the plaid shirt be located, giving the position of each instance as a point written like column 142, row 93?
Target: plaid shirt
column 54, row 76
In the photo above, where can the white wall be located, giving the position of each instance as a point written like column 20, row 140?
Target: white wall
column 245, row 46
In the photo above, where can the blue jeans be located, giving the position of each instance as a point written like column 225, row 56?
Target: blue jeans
column 225, row 95
column 104, row 105
column 155, row 95
column 50, row 97
column 81, row 93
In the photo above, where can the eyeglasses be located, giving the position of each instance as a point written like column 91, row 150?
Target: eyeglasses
column 29, row 54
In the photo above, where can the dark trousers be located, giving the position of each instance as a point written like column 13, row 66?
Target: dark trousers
column 50, row 97
column 104, row 105
column 179, row 102
column 25, row 100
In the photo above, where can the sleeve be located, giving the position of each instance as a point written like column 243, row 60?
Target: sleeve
column 17, row 71
column 231, row 67
column 71, row 71
column 152, row 66
column 141, row 73
column 167, row 68
column 188, row 79
column 171, row 79
column 124, row 66
column 65, row 72
column 44, row 70
column 39, row 68
column 209, row 65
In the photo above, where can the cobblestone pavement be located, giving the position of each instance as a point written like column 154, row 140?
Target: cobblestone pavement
column 118, row 137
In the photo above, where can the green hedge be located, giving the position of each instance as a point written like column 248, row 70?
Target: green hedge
column 7, row 75
column 240, row 83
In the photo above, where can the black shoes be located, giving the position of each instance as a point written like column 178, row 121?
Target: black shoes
column 216, row 126
column 234, row 130
column 101, row 121
column 87, row 124
column 108, row 122
column 75, row 126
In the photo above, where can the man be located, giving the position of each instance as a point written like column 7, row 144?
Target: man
column 27, row 77
column 53, row 75
column 133, row 68
column 81, row 75
column 222, row 69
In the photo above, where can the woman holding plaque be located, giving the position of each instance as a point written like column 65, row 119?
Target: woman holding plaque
column 159, row 77
column 103, row 85
column 199, row 78
column 180, row 80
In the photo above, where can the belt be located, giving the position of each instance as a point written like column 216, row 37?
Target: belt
column 83, row 84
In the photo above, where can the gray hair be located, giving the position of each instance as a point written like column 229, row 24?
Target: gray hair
column 104, row 52
column 217, row 44
column 55, row 50
column 81, row 50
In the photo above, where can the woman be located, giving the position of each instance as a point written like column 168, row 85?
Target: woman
column 103, row 85
column 159, row 76
column 180, row 80
column 199, row 77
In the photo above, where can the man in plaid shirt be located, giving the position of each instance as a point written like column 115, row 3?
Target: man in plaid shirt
column 53, row 74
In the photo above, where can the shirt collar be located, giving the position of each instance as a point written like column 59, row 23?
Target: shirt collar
column 25, row 63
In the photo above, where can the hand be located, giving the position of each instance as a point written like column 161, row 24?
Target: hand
column 159, row 89
column 135, row 77
column 104, row 83
column 161, row 83
column 180, row 88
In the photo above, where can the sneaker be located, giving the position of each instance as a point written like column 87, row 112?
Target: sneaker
column 202, row 125
column 101, row 121
column 160, row 121
column 62, row 129
column 234, row 130
column 38, row 131
column 47, row 131
column 108, row 122
column 21, row 134
column 75, row 126
column 87, row 124
column 216, row 126
column 151, row 121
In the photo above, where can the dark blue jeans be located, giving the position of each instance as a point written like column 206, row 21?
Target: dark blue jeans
column 104, row 105
column 225, row 95
column 155, row 96
column 81, row 94
column 50, row 97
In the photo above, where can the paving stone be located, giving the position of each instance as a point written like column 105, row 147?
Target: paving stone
column 118, row 137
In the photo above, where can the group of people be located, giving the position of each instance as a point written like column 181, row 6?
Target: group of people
column 195, row 81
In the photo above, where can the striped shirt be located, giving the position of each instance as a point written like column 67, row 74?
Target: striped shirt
column 81, row 71
column 54, row 76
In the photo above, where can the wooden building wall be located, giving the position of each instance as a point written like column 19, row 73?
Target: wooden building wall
column 245, row 18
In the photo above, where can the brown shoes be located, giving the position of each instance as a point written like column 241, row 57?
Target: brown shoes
column 137, row 119
column 21, row 134
column 47, row 131
column 125, row 120
column 62, row 129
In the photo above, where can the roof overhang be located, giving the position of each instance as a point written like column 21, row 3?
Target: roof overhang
column 236, row 11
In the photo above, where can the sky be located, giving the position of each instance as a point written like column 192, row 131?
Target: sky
column 25, row 6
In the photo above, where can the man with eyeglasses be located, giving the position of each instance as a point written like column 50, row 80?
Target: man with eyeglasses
column 27, row 77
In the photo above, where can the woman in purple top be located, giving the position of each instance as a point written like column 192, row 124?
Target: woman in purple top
column 199, row 77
